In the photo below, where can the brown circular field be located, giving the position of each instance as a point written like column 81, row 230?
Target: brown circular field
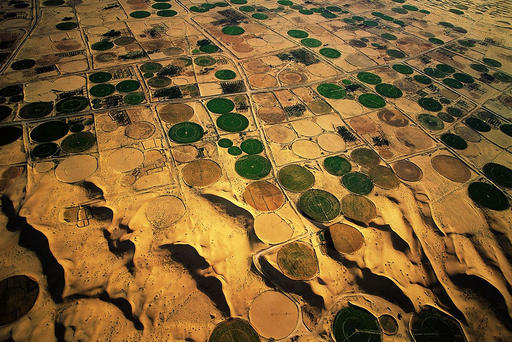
column 262, row 81
column 263, row 196
column 280, row 134
column 164, row 211
column 297, row 261
column 358, row 208
column 384, row 177
column 451, row 168
column 139, row 130
column 273, row 315
column 346, row 239
column 18, row 295
column 125, row 159
column 201, row 172
column 413, row 138
column 468, row 134
column 392, row 117
column 185, row 153
column 408, row 171
column 257, row 66
column 76, row 168
column 363, row 125
column 271, row 115
column 272, row 229
column 292, row 77
column 319, row 107
column 174, row 113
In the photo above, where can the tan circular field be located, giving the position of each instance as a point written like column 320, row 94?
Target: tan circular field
column 451, row 168
column 331, row 142
column 408, row 171
column 272, row 229
column 280, row 134
column 185, row 153
column 363, row 125
column 76, row 168
column 273, row 315
column 262, row 81
column 413, row 138
column 263, row 196
column 201, row 172
column 242, row 47
column 68, row 83
column 164, row 211
column 346, row 239
column 257, row 66
column 306, row 149
column 125, row 159
column 306, row 128
column 174, row 113
column 271, row 115
column 256, row 42
column 140, row 130
column 297, row 261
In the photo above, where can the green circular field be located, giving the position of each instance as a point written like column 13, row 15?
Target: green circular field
column 422, row 79
column 330, row 53
column 454, row 111
column 127, row 86
column 259, row 16
column 437, row 41
column 358, row 183
column 225, row 143
column 100, row 77
column 166, row 13
column 488, row 196
column 133, row 98
column 479, row 67
column 225, row 74
column 389, row 36
column 431, row 122
column 23, row 64
column 403, row 69
column 298, row 34
column 159, row 82
column 337, row 165
column 151, row 67
column 454, row 141
column 464, row 78
column 499, row 174
column 305, row 11
column 296, row 178
column 66, row 26
column 507, row 129
column 365, row 157
column 5, row 111
column 253, row 167
column 434, row 72
column 477, row 124
column 234, row 150
column 209, row 48
column 72, row 104
column 220, row 105
column 453, row 83
column 102, row 89
column 49, row 131
column 161, row 6
column 252, row 146
column 433, row 325
column 234, row 330
column 311, row 42
column 445, row 117
column 371, row 101
column 45, row 150
column 319, row 205
column 232, row 30
column 388, row 90
column 35, row 110
column 354, row 324
column 331, row 91
column 78, row 142
column 9, row 134
column 232, row 122
column 430, row 104
column 247, row 8
column 297, row 261
column 368, row 77
column 445, row 68
column 384, row 177
column 370, row 23
column 205, row 61
column 186, row 132
column 492, row 62
column 140, row 14
column 502, row 77
column 395, row 53
column 102, row 46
